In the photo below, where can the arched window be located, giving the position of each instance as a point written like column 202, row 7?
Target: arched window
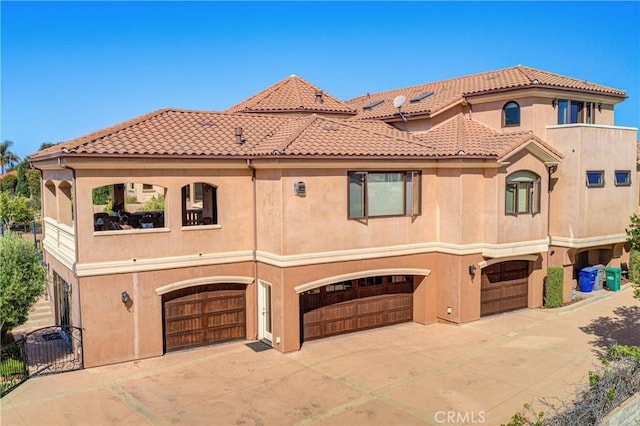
column 511, row 114
column 522, row 193
column 199, row 204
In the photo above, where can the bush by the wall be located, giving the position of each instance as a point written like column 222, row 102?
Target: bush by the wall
column 553, row 287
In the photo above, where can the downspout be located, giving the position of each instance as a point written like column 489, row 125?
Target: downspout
column 255, row 243
column 550, row 170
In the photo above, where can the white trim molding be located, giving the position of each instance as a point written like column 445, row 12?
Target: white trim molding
column 194, row 282
column 527, row 257
column 361, row 274
column 516, row 249
column 159, row 263
column 588, row 242
column 487, row 250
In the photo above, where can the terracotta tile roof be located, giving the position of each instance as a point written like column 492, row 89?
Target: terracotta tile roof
column 173, row 132
column 292, row 94
column 445, row 93
column 320, row 136
column 462, row 137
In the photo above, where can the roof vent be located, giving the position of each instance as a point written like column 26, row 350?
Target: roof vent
column 319, row 99
column 372, row 105
column 238, row 133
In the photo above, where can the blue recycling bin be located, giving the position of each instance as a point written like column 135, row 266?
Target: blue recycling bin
column 587, row 278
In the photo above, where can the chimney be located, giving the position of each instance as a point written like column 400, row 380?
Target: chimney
column 319, row 94
column 238, row 133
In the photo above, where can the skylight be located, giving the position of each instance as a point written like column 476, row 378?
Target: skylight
column 420, row 97
column 372, row 105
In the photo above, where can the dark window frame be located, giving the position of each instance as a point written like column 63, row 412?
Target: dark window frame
column 601, row 181
column 626, row 181
column 571, row 111
column 532, row 189
column 411, row 202
column 514, row 117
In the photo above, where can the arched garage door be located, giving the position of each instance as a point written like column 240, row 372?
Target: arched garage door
column 354, row 305
column 505, row 287
column 203, row 315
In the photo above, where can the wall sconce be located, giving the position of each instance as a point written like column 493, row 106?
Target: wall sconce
column 599, row 106
column 125, row 298
column 472, row 270
column 554, row 103
column 300, row 189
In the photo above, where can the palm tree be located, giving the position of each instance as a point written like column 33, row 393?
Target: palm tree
column 7, row 158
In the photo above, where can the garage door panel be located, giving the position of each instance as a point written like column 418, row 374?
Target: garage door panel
column 504, row 287
column 394, row 317
column 363, row 313
column 181, row 310
column 365, row 307
column 204, row 315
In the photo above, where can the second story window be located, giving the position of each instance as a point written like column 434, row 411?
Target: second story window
column 511, row 114
column 595, row 178
column 623, row 177
column 379, row 194
column 199, row 204
column 522, row 193
column 570, row 112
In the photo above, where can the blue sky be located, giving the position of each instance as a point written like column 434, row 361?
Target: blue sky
column 69, row 68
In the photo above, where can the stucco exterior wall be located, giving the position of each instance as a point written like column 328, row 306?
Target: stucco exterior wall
column 586, row 148
column 114, row 332
column 235, row 218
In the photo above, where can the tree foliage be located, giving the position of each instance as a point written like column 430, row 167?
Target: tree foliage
column 8, row 183
column 101, row 195
column 155, row 203
column 22, row 280
column 14, row 209
column 21, row 185
column 7, row 158
column 633, row 238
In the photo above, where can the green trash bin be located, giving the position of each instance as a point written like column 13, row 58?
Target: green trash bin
column 613, row 278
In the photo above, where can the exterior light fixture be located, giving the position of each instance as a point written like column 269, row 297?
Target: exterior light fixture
column 125, row 298
column 472, row 270
column 599, row 106
column 553, row 103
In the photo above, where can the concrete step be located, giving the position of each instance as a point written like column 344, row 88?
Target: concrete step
column 41, row 315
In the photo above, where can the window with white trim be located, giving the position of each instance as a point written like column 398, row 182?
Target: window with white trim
column 522, row 193
column 380, row 194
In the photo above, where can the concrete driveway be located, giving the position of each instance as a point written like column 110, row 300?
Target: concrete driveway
column 477, row 373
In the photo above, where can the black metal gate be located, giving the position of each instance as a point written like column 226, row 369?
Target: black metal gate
column 48, row 350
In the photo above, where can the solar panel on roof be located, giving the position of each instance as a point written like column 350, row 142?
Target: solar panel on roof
column 420, row 97
column 372, row 105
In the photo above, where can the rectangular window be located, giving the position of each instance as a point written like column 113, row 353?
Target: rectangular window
column 522, row 197
column 595, row 178
column 378, row 194
column 147, row 187
column 571, row 112
column 623, row 177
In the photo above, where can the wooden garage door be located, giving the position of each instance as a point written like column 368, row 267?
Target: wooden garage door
column 203, row 315
column 505, row 287
column 355, row 305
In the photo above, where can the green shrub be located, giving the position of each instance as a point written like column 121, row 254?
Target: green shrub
column 155, row 203
column 553, row 287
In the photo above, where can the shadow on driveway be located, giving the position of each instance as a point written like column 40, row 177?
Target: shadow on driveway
column 609, row 330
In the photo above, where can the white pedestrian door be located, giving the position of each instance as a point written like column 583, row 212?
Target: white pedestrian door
column 264, row 311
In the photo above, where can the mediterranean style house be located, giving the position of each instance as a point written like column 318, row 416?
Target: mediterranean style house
column 294, row 215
